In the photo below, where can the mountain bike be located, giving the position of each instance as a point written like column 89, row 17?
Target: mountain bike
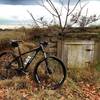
column 49, row 71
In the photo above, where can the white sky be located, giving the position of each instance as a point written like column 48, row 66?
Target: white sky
column 19, row 12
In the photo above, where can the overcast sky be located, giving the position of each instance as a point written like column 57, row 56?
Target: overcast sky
column 32, row 2
column 15, row 11
column 25, row 2
column 19, row 2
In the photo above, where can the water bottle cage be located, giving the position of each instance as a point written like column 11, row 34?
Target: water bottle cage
column 27, row 60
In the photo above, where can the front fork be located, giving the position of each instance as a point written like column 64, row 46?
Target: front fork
column 48, row 70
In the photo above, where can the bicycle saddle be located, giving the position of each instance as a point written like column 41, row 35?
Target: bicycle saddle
column 14, row 43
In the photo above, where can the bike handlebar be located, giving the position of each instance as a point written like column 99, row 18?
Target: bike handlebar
column 44, row 43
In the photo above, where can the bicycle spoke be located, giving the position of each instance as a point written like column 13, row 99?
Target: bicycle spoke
column 51, row 75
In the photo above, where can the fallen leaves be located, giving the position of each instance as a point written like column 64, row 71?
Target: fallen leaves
column 90, row 91
column 69, row 91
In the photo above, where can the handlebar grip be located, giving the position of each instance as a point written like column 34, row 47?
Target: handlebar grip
column 44, row 43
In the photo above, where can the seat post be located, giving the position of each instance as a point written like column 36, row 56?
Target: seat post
column 20, row 58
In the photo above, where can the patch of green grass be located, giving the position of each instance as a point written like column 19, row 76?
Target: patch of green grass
column 98, row 67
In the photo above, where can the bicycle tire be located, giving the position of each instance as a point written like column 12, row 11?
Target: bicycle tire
column 7, row 69
column 41, row 77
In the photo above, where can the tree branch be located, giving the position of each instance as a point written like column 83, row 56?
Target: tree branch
column 33, row 19
column 78, row 15
column 56, row 11
column 75, row 6
column 66, row 19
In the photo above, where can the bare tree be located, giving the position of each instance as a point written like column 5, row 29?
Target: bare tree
column 70, row 14
column 75, row 17
column 57, row 14
column 39, row 22
column 34, row 20
column 83, row 20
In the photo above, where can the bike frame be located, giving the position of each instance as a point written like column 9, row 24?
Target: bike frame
column 35, row 50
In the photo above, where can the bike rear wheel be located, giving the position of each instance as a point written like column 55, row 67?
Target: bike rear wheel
column 51, row 77
column 7, row 69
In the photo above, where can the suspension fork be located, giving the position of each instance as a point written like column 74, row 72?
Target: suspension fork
column 48, row 70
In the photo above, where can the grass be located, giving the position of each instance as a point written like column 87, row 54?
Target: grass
column 12, row 88
column 84, row 74
column 18, row 33
column 98, row 67
column 22, row 88
column 11, row 34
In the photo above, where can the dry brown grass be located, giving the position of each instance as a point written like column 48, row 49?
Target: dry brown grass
column 25, row 46
column 89, row 75
column 12, row 34
column 22, row 88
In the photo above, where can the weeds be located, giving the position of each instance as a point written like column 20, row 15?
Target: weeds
column 84, row 74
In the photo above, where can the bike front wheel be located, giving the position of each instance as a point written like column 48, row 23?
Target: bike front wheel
column 50, row 73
